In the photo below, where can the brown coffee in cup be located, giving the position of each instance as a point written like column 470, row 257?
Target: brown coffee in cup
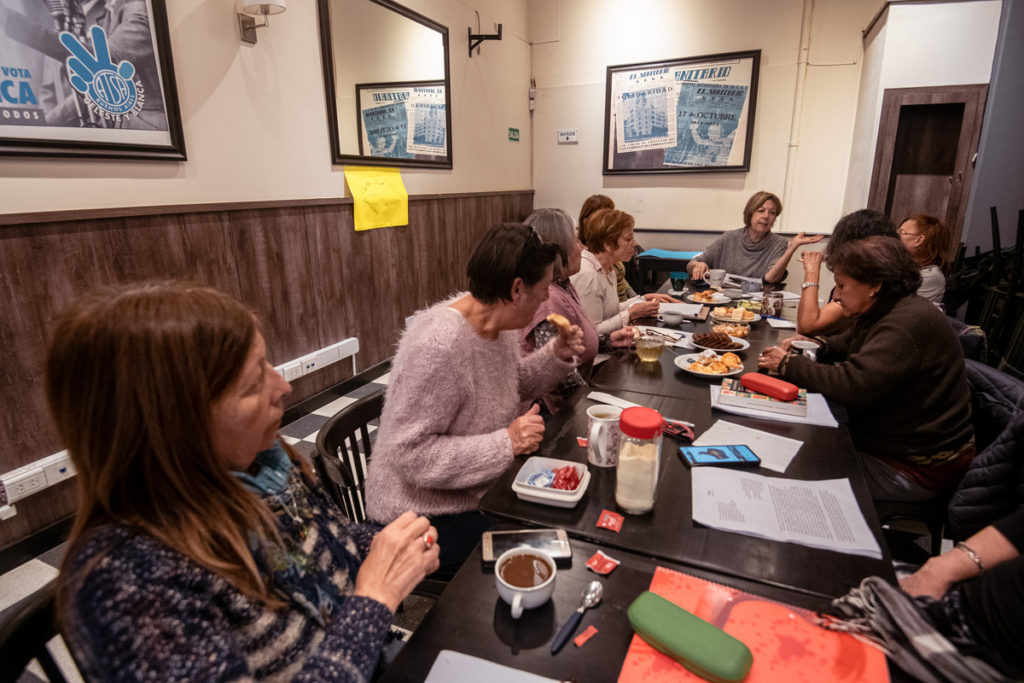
column 525, row 571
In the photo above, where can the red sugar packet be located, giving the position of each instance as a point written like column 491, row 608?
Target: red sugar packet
column 587, row 634
column 610, row 520
column 582, row 441
column 601, row 563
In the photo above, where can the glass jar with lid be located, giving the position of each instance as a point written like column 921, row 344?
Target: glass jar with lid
column 636, row 474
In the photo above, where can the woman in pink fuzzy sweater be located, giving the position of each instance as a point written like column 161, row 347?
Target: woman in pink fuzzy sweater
column 450, row 424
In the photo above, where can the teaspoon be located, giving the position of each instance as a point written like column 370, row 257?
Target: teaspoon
column 591, row 596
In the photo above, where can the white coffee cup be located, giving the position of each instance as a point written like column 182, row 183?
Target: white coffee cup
column 715, row 277
column 603, row 435
column 808, row 348
column 524, row 597
column 671, row 317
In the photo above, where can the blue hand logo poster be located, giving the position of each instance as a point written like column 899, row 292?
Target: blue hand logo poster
column 85, row 71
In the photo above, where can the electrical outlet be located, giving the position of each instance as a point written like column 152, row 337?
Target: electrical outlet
column 292, row 371
column 24, row 484
column 59, row 471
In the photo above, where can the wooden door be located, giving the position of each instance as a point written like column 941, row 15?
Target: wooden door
column 924, row 161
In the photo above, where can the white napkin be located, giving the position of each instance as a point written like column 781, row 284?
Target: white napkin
column 781, row 324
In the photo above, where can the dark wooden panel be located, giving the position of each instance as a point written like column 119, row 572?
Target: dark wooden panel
column 301, row 265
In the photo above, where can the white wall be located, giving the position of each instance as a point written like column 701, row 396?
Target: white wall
column 255, row 123
column 590, row 35
column 917, row 45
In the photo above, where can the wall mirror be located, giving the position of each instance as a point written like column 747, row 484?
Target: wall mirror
column 387, row 83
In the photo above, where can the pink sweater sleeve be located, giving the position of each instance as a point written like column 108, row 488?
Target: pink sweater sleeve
column 541, row 371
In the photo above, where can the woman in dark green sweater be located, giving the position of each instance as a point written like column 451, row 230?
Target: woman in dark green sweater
column 899, row 370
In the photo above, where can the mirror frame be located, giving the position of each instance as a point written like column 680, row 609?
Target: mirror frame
column 327, row 56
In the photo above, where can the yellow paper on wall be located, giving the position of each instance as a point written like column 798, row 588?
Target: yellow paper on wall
column 379, row 197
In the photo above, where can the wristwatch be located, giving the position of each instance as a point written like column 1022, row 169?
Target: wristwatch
column 808, row 284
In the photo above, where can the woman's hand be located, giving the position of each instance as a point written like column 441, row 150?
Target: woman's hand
column 812, row 265
column 623, row 338
column 770, row 358
column 400, row 556
column 568, row 346
column 698, row 269
column 802, row 239
column 527, row 431
column 643, row 309
column 661, row 298
column 928, row 580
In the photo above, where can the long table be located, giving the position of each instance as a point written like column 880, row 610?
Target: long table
column 669, row 532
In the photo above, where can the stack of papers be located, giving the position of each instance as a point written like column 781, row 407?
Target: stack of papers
column 819, row 514
column 818, row 412
column 776, row 452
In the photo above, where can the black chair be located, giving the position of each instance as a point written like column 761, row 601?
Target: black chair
column 343, row 450
column 1004, row 297
column 26, row 628
column 993, row 485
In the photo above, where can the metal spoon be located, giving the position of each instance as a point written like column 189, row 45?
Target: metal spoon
column 591, row 596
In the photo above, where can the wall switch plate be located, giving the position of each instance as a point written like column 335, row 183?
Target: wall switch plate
column 24, row 484
column 568, row 136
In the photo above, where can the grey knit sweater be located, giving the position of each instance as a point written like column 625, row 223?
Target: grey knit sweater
column 452, row 395
column 738, row 255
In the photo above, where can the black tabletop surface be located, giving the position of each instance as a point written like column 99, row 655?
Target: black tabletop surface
column 669, row 532
column 472, row 619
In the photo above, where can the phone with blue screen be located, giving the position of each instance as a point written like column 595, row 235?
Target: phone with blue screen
column 699, row 456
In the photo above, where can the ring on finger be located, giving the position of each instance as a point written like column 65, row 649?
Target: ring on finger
column 428, row 541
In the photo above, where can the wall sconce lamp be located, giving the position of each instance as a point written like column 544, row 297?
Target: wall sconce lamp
column 264, row 8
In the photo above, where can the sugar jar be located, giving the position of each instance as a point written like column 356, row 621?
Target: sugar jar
column 636, row 475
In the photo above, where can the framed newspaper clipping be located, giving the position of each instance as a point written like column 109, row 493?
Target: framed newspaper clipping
column 82, row 78
column 404, row 121
column 682, row 115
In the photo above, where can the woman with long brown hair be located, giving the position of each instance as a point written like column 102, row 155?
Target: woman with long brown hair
column 928, row 240
column 202, row 550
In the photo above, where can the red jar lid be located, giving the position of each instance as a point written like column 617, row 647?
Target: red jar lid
column 640, row 422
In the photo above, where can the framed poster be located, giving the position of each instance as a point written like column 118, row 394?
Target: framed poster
column 403, row 121
column 681, row 116
column 88, row 79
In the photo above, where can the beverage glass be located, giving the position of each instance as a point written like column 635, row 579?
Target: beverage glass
column 648, row 348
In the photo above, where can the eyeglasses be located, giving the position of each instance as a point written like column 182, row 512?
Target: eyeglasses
column 905, row 233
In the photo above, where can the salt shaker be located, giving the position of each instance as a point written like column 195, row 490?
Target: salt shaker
column 636, row 474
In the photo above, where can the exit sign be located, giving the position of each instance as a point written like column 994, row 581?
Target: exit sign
column 513, row 134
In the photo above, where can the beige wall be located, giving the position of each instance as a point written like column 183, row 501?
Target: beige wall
column 917, row 45
column 255, row 123
column 592, row 34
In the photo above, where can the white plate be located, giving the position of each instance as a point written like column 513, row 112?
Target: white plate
column 682, row 338
column 743, row 345
column 683, row 363
column 549, row 496
column 757, row 317
column 718, row 298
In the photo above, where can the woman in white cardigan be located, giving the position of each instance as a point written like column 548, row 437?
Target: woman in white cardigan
column 608, row 235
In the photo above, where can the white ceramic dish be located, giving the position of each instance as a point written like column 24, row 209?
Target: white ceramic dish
column 545, row 495
column 718, row 298
column 682, row 338
column 683, row 363
column 743, row 345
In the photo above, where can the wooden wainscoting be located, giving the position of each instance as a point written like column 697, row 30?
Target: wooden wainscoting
column 312, row 278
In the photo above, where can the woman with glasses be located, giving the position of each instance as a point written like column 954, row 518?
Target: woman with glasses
column 928, row 240
column 451, row 423
column 555, row 227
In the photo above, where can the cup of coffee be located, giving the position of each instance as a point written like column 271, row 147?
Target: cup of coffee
column 771, row 305
column 715, row 277
column 671, row 317
column 603, row 435
column 806, row 347
column 525, row 578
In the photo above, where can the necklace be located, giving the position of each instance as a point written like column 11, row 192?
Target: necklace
column 293, row 512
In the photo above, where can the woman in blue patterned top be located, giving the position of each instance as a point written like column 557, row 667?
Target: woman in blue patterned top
column 202, row 550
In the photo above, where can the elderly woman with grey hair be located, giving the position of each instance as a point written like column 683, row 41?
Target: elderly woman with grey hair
column 555, row 227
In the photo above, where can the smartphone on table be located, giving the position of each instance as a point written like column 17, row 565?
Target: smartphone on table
column 698, row 456
column 554, row 542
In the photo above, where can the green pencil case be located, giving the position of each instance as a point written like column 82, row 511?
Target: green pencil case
column 706, row 650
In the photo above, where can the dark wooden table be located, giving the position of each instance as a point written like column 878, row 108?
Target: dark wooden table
column 669, row 532
column 472, row 619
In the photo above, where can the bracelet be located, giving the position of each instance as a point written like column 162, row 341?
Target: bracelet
column 808, row 284
column 973, row 555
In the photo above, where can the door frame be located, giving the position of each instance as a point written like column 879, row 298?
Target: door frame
column 973, row 98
